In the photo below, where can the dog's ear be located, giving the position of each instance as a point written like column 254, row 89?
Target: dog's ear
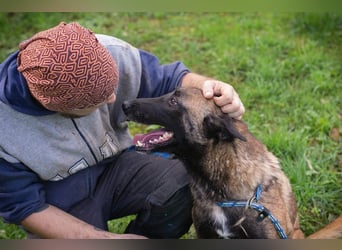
column 221, row 127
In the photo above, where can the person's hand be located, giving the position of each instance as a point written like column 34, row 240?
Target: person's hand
column 225, row 97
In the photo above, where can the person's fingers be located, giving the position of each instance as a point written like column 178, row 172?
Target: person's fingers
column 225, row 95
column 208, row 88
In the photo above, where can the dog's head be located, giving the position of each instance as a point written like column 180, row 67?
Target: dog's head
column 187, row 115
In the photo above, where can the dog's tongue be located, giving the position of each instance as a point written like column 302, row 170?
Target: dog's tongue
column 150, row 140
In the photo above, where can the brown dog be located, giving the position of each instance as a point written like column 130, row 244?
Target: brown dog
column 238, row 186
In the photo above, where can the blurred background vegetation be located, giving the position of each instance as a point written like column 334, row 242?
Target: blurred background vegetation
column 286, row 67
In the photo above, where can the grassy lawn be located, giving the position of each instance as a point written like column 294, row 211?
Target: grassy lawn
column 286, row 67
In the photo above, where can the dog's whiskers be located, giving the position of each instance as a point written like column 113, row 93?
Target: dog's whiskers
column 239, row 224
column 244, row 230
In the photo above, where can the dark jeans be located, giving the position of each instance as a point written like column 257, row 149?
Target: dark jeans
column 152, row 187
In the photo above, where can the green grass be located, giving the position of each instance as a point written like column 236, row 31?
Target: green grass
column 287, row 68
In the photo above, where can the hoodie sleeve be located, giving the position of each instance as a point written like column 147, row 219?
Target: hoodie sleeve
column 157, row 79
column 21, row 192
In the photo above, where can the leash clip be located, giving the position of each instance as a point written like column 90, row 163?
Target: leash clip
column 263, row 214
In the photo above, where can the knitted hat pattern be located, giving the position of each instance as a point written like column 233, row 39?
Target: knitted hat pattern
column 66, row 68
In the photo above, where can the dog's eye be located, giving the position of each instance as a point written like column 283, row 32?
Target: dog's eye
column 173, row 101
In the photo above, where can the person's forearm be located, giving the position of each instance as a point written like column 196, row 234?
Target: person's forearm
column 194, row 80
column 55, row 223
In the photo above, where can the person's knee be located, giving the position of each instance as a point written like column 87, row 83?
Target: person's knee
column 170, row 220
column 178, row 208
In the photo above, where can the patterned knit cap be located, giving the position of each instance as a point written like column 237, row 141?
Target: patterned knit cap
column 66, row 68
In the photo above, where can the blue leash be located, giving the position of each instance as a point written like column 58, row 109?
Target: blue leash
column 263, row 212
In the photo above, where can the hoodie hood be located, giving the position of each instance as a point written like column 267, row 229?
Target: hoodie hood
column 14, row 91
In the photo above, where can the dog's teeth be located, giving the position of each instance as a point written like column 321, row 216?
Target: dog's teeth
column 167, row 135
column 153, row 141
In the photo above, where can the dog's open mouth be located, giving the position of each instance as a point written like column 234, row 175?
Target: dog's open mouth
column 152, row 140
